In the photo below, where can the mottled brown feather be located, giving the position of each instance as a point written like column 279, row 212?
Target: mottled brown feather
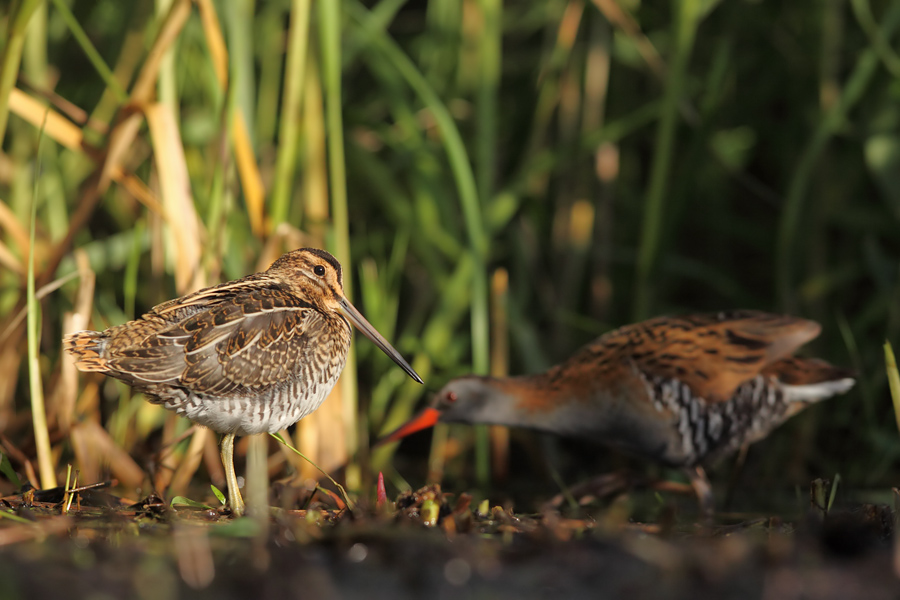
column 795, row 370
column 713, row 354
column 237, row 337
column 252, row 341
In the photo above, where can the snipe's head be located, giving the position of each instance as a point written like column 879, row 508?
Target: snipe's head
column 312, row 274
column 316, row 276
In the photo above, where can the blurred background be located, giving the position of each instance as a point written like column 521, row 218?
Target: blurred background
column 502, row 182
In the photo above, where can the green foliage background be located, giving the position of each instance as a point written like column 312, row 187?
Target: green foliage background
column 618, row 159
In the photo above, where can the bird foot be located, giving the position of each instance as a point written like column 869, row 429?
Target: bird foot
column 703, row 489
column 236, row 503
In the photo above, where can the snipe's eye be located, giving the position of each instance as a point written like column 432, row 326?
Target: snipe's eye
column 319, row 270
column 450, row 397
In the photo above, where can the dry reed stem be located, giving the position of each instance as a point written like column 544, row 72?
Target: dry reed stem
column 9, row 261
column 215, row 41
column 251, row 180
column 616, row 15
column 178, row 203
column 94, row 448
column 569, row 25
column 31, row 475
column 12, row 226
column 88, row 401
column 124, row 132
column 140, row 191
column 315, row 176
column 245, row 157
column 190, row 462
column 62, row 399
column 169, row 458
column 58, row 128
column 67, row 108
column 499, row 435
column 10, row 360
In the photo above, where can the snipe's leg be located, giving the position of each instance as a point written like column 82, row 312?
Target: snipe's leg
column 703, row 489
column 235, row 501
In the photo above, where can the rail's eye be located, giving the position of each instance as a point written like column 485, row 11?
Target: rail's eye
column 450, row 397
column 319, row 270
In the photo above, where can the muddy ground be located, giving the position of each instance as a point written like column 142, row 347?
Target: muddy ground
column 431, row 545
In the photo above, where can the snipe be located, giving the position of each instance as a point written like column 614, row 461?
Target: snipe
column 680, row 391
column 249, row 356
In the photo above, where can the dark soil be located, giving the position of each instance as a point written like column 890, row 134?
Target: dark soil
column 428, row 545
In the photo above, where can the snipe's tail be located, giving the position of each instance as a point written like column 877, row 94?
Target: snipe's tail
column 86, row 347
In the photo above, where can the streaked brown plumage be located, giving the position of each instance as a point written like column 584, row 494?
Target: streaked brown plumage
column 682, row 391
column 249, row 356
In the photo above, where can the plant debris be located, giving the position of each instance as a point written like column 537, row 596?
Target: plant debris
column 429, row 542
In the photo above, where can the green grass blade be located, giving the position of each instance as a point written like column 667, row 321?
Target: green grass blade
column 289, row 131
column 7, row 470
column 686, row 21
column 462, row 171
column 38, row 412
column 12, row 55
column 834, row 487
column 485, row 160
column 278, row 437
column 90, row 51
column 893, row 379
column 857, row 83
column 14, row 517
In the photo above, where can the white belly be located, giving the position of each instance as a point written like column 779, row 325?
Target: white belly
column 268, row 412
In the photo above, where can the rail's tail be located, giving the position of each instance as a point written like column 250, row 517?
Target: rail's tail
column 87, row 349
column 810, row 379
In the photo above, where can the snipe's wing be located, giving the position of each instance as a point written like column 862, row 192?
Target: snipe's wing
column 255, row 338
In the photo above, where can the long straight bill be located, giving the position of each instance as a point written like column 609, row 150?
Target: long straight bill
column 355, row 317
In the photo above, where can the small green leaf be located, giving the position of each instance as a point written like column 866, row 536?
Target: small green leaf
column 218, row 494
column 188, row 502
column 834, row 487
column 14, row 517
column 893, row 378
column 6, row 469
column 429, row 512
column 882, row 154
